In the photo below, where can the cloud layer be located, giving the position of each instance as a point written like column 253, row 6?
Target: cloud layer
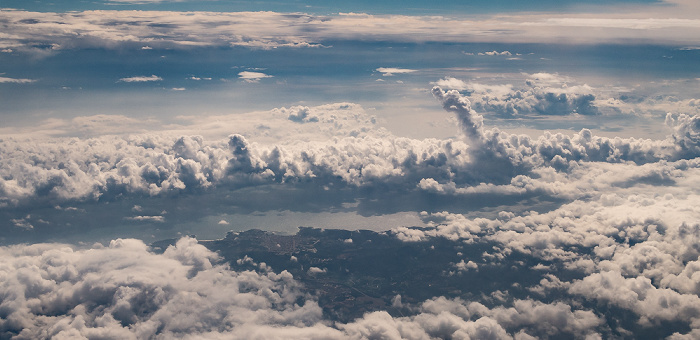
column 125, row 291
column 621, row 230
column 361, row 155
column 53, row 31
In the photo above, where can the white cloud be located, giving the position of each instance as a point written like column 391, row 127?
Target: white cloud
column 451, row 84
column 544, row 94
column 619, row 213
column 16, row 80
column 390, row 71
column 53, row 290
column 316, row 270
column 495, row 53
column 26, row 30
column 357, row 153
column 140, row 79
column 141, row 295
column 253, row 76
column 199, row 78
column 462, row 266
column 159, row 219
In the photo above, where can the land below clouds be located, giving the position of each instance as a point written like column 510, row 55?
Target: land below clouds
column 353, row 273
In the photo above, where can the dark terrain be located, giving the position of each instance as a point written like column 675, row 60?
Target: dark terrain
column 367, row 273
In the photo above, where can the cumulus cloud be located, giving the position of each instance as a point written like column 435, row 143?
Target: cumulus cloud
column 300, row 114
column 629, row 228
column 140, row 79
column 616, row 225
column 316, row 270
column 362, row 155
column 544, row 94
column 451, row 84
column 252, row 77
column 125, row 291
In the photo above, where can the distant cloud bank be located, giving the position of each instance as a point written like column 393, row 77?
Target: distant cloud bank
column 25, row 31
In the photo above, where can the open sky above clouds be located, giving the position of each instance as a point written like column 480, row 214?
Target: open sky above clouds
column 563, row 131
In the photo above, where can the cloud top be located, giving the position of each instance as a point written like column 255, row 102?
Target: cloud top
column 26, row 31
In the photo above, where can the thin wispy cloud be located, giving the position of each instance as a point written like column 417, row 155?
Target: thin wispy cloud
column 496, row 53
column 16, row 80
column 140, row 79
column 390, row 71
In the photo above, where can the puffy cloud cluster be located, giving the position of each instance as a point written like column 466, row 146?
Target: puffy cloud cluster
column 361, row 155
column 89, row 169
column 442, row 318
column 547, row 94
column 544, row 94
column 630, row 236
column 629, row 230
column 622, row 225
column 125, row 291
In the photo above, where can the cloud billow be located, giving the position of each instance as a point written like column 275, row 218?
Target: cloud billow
column 153, row 165
column 124, row 290
column 545, row 94
column 623, row 233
